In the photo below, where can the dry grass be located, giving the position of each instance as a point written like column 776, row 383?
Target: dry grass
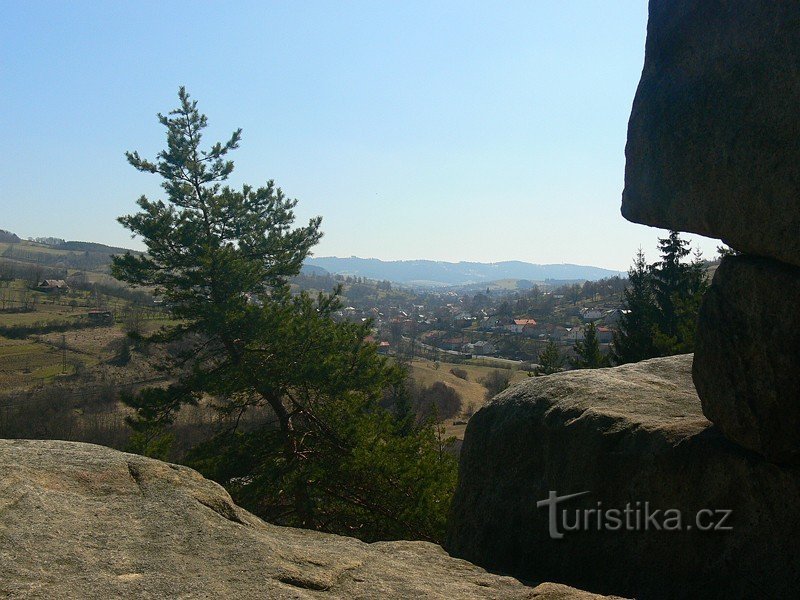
column 473, row 393
column 24, row 363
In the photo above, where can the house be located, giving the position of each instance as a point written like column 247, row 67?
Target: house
column 591, row 314
column 573, row 334
column 483, row 347
column 605, row 335
column 519, row 325
column 452, row 343
column 492, row 322
column 53, row 285
column 612, row 317
column 546, row 331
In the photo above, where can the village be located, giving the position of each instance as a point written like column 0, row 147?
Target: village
column 507, row 324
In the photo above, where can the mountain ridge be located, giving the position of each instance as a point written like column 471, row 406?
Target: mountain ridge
column 443, row 273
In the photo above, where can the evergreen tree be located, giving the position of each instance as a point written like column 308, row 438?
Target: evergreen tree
column 678, row 288
column 661, row 304
column 669, row 280
column 587, row 352
column 550, row 360
column 331, row 457
column 633, row 339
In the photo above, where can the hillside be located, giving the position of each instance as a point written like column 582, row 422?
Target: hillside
column 63, row 258
column 440, row 273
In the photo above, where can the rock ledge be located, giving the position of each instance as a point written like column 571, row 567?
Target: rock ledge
column 84, row 521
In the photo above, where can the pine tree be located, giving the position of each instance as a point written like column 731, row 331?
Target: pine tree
column 587, row 352
column 669, row 280
column 633, row 339
column 661, row 304
column 678, row 290
column 330, row 457
column 550, row 360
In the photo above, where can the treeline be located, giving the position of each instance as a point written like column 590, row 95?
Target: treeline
column 19, row 332
column 30, row 273
column 661, row 303
column 68, row 259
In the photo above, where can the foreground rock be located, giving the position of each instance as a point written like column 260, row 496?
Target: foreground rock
column 83, row 521
column 747, row 363
column 628, row 434
column 714, row 135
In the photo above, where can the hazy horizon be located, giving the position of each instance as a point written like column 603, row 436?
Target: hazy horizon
column 419, row 132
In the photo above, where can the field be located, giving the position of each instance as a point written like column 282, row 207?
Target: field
column 46, row 336
column 472, row 392
column 54, row 350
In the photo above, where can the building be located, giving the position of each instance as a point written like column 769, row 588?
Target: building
column 53, row 285
column 521, row 325
column 591, row 314
column 605, row 335
column 482, row 348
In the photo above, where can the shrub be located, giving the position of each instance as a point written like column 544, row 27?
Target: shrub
column 460, row 373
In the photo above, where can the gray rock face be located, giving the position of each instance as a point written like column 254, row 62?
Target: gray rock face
column 714, row 135
column 747, row 359
column 83, row 521
column 627, row 434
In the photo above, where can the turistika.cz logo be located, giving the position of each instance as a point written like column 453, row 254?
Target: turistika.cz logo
column 635, row 516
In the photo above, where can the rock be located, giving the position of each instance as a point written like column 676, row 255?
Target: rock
column 628, row 434
column 714, row 134
column 747, row 360
column 83, row 521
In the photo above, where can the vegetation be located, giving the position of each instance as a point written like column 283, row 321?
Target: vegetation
column 331, row 457
column 460, row 373
column 437, row 401
column 495, row 382
column 634, row 338
column 587, row 351
column 550, row 360
column 661, row 304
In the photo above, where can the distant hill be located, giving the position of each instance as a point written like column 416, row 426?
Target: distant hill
column 92, row 247
column 313, row 270
column 439, row 273
column 8, row 237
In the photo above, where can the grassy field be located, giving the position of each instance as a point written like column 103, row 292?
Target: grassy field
column 472, row 392
column 39, row 358
column 24, row 363
column 24, row 247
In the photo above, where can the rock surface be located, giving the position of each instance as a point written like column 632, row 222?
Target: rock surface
column 83, row 521
column 714, row 135
column 627, row 434
column 747, row 360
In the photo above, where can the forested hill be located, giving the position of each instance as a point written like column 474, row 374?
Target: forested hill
column 447, row 273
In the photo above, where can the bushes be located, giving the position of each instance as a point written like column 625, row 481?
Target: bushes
column 41, row 327
column 495, row 382
column 460, row 373
column 438, row 401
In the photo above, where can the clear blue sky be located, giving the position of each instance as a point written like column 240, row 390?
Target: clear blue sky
column 459, row 130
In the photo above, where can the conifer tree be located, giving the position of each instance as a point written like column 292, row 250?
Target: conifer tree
column 661, row 304
column 330, row 457
column 550, row 360
column 587, row 352
column 678, row 288
column 633, row 338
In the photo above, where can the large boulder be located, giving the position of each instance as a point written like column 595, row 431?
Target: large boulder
column 714, row 135
column 747, row 359
column 83, row 521
column 627, row 435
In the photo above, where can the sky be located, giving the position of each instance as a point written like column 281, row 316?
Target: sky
column 477, row 131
